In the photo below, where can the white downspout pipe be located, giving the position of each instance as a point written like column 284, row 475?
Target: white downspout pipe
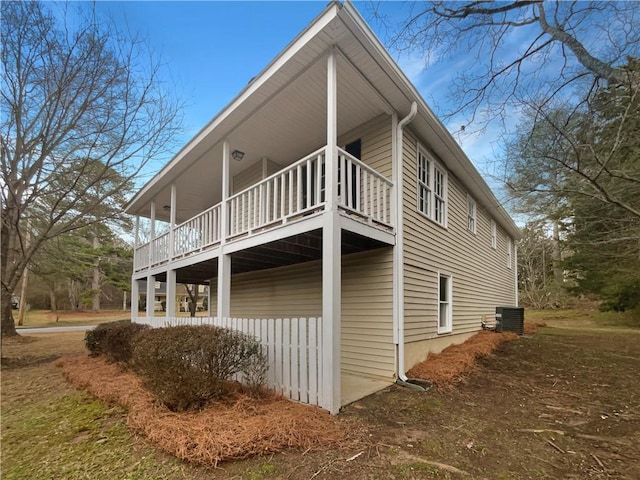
column 398, row 251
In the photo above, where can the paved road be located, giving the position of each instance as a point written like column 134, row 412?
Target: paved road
column 70, row 328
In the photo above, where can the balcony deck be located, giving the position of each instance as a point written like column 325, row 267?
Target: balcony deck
column 294, row 195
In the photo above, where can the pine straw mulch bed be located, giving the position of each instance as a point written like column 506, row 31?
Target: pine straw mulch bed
column 239, row 428
column 455, row 361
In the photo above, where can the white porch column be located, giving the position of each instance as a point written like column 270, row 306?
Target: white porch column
column 331, row 258
column 224, row 286
column 153, row 231
column 172, row 221
column 151, row 295
column 170, row 307
column 209, row 305
column 136, row 239
column 135, row 298
column 224, row 261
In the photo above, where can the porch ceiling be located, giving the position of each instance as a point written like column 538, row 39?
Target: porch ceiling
column 199, row 273
column 281, row 114
column 290, row 124
column 301, row 248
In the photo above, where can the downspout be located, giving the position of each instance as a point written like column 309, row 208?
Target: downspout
column 398, row 272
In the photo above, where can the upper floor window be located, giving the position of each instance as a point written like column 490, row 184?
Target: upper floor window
column 509, row 252
column 494, row 235
column 471, row 214
column 432, row 188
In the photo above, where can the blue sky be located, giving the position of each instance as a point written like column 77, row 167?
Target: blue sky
column 213, row 49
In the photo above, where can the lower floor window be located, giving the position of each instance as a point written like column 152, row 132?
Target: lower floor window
column 444, row 303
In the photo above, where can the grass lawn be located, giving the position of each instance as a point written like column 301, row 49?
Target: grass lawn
column 47, row 318
column 564, row 403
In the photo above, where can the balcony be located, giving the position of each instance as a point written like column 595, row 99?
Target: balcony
column 290, row 195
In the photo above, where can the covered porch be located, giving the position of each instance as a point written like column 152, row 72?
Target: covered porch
column 291, row 195
column 275, row 295
column 313, row 202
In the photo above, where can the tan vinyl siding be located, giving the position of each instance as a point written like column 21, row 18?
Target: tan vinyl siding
column 376, row 144
column 367, row 322
column 296, row 291
column 291, row 291
column 481, row 280
column 248, row 177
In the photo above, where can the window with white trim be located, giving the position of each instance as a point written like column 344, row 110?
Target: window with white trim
column 494, row 235
column 509, row 252
column 472, row 210
column 432, row 188
column 445, row 290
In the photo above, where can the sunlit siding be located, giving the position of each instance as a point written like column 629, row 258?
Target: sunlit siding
column 481, row 279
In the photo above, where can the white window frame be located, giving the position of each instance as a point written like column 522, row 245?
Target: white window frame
column 432, row 187
column 472, row 215
column 494, row 235
column 509, row 253
column 448, row 323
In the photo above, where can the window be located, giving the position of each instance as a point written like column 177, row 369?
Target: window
column 494, row 235
column 444, row 303
column 509, row 252
column 471, row 214
column 432, row 188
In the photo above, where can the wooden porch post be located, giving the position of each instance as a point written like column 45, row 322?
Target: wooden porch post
column 224, row 260
column 151, row 296
column 331, row 259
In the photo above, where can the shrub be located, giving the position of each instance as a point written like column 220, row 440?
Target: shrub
column 113, row 340
column 186, row 366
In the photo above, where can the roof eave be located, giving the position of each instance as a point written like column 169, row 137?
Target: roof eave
column 315, row 26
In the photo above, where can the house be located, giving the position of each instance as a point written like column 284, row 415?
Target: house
column 333, row 216
column 182, row 298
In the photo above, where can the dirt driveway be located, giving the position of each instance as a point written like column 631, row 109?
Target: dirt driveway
column 563, row 404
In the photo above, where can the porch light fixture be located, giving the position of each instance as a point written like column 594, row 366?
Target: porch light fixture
column 237, row 155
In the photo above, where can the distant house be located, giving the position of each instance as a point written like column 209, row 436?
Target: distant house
column 182, row 299
column 334, row 217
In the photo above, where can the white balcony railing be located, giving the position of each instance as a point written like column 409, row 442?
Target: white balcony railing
column 160, row 249
column 198, row 233
column 365, row 192
column 293, row 191
column 288, row 194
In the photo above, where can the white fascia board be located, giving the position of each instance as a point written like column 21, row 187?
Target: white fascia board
column 363, row 32
column 315, row 27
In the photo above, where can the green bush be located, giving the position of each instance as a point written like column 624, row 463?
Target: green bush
column 113, row 340
column 186, row 366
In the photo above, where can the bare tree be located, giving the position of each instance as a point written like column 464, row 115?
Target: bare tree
column 538, row 58
column 523, row 51
column 83, row 110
